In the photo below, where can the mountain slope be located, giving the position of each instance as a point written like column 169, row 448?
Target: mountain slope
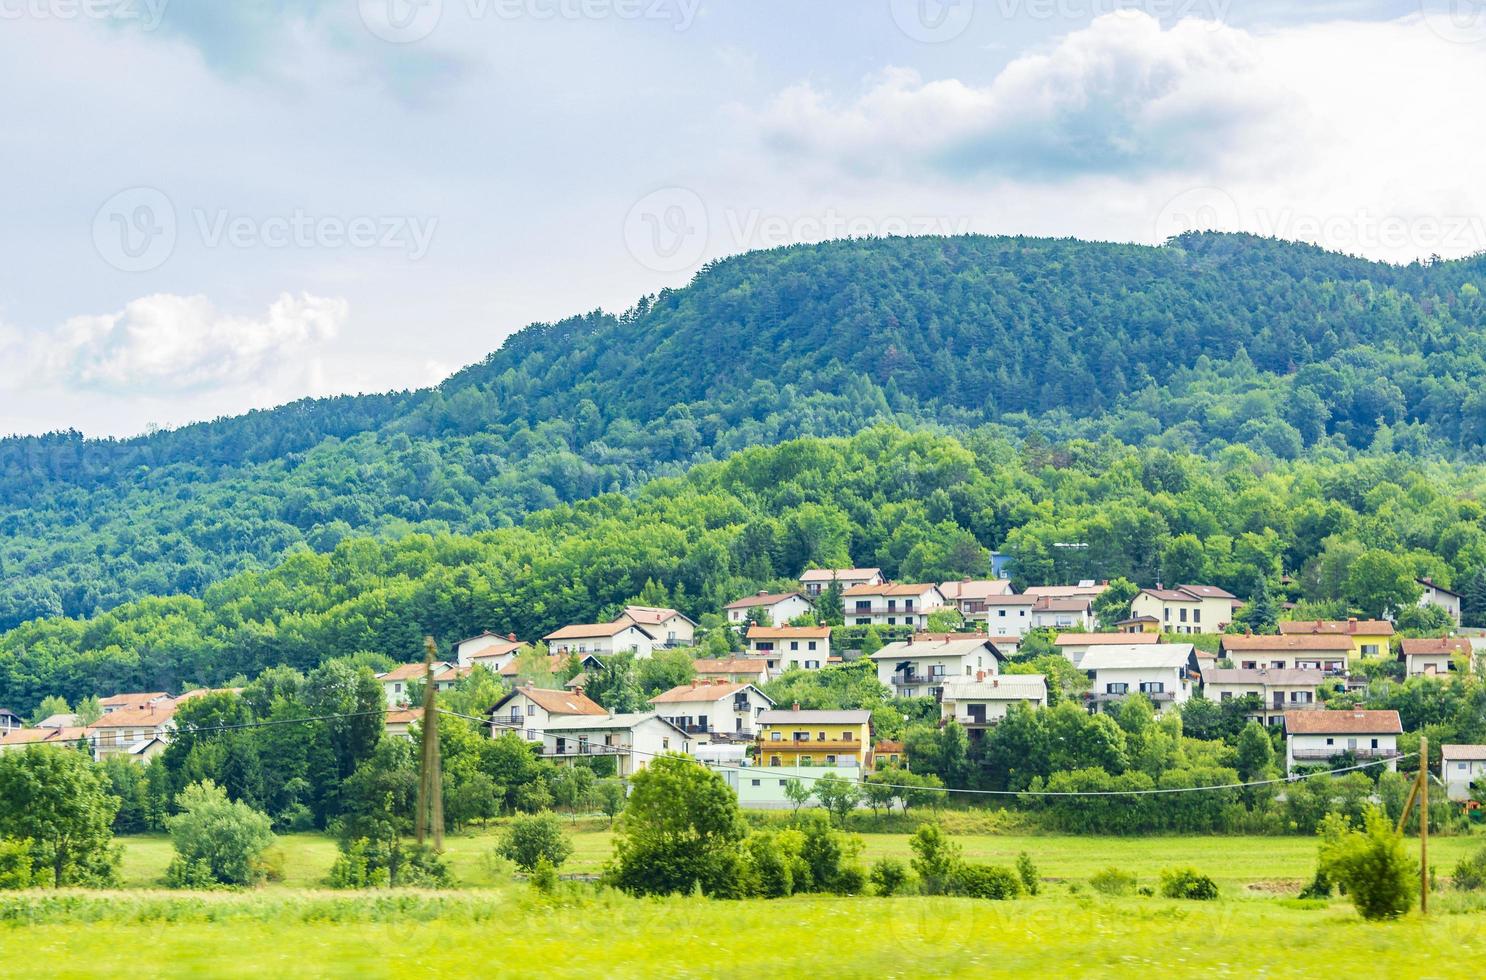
column 1207, row 341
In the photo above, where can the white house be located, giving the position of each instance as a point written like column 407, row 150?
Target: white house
column 978, row 703
column 1460, row 766
column 891, row 605
column 669, row 627
column 780, row 607
column 1321, row 651
column 969, row 595
column 817, row 580
column 10, row 721
column 1075, row 645
column 530, row 710
column 396, row 682
column 739, row 670
column 786, row 647
column 1009, row 615
column 1086, row 589
column 490, row 650
column 708, row 707
column 921, row 667
column 125, row 728
column 631, row 739
column 601, row 638
column 1317, row 737
column 1437, row 595
column 1434, row 656
column 1062, row 614
column 1164, row 672
column 1187, row 608
column 1277, row 690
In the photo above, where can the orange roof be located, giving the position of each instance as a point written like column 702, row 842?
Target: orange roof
column 827, row 574
column 402, row 716
column 765, row 599
column 1436, row 645
column 580, row 631
column 1322, row 643
column 36, row 736
column 651, row 615
column 1099, row 639
column 699, row 691
column 131, row 700
column 555, row 662
column 495, row 650
column 1314, row 722
column 1367, row 627
column 413, row 672
column 889, row 588
column 143, row 716
column 559, row 702
column 789, row 632
column 731, row 666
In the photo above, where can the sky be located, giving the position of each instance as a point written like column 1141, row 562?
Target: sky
column 211, row 207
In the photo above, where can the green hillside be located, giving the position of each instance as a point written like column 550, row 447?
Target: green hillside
column 1208, row 341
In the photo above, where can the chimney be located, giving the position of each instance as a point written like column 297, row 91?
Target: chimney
column 796, row 706
column 579, row 690
column 511, row 637
column 980, row 675
column 995, row 682
column 762, row 592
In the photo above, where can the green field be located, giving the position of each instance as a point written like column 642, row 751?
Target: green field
column 1265, row 862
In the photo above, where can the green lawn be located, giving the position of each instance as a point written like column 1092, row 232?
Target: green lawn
column 1230, row 860
column 514, row 931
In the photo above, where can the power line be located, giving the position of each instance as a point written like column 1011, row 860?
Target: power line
column 1155, row 791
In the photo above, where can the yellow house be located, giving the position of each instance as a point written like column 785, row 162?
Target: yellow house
column 1370, row 637
column 815, row 738
column 1185, row 609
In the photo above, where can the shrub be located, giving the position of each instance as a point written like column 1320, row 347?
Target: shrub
column 985, row 881
column 1470, row 872
column 827, row 852
column 889, row 876
column 544, row 875
column 1188, row 883
column 227, row 838
column 361, row 864
column 15, row 864
column 532, row 837
column 1371, row 866
column 1027, row 872
column 778, row 867
column 851, row 880
column 936, row 858
column 1112, row 881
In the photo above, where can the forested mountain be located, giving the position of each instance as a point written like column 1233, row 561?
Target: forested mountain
column 1352, row 535
column 1207, row 341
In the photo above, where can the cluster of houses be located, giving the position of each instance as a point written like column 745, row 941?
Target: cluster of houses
column 723, row 717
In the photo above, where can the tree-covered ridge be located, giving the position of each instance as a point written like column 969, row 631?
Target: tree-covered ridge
column 920, row 506
column 1208, row 341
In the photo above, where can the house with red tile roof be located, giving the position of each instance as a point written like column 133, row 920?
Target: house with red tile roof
column 1433, row 656
column 1325, row 652
column 742, row 670
column 599, row 639
column 489, row 650
column 891, row 604
column 787, row 647
column 669, row 627
column 1187, row 608
column 817, row 580
column 529, row 710
column 713, row 707
column 1318, row 737
column 779, row 607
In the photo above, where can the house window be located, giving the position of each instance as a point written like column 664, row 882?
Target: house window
column 1226, row 696
column 665, row 743
column 908, row 605
column 1374, row 743
column 1166, row 613
column 830, row 760
column 1277, row 664
column 397, row 688
column 1116, row 688
column 1249, row 664
column 531, row 711
column 864, row 622
column 794, row 644
column 1153, row 687
column 1331, row 741
column 810, row 645
column 756, row 782
column 773, row 760
column 1001, row 613
column 891, row 621
column 1196, row 615
column 775, row 737
column 1184, row 615
column 820, row 736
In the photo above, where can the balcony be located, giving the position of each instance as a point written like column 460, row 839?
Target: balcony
column 918, row 680
column 575, row 749
column 808, row 744
column 1332, row 751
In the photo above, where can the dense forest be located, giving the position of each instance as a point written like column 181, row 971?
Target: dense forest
column 1336, row 535
column 1207, row 342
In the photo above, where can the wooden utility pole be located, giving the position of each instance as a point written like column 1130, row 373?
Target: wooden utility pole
column 1423, row 825
column 430, row 778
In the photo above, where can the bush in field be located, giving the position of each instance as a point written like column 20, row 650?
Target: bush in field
column 544, row 875
column 779, row 868
column 15, row 864
column 889, row 876
column 362, row 864
column 829, row 854
column 985, row 881
column 529, row 838
column 936, row 858
column 59, row 800
column 1470, row 872
column 216, row 839
column 1113, row 881
column 1371, row 866
column 1188, row 883
column 1027, row 872
column 681, row 831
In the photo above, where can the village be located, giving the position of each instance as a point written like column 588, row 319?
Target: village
column 723, row 718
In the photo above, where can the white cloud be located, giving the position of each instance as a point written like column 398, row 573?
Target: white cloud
column 164, row 343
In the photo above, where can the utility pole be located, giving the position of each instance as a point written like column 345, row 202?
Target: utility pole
column 1423, row 825
column 430, row 778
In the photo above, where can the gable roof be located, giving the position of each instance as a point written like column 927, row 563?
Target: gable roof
column 892, row 588
column 557, row 702
column 765, row 599
column 555, row 662
column 921, row 646
column 1133, row 656
column 974, row 588
column 1276, row 677
column 580, row 631
column 1432, row 584
column 605, row 721
column 828, row 574
column 1011, row 600
column 509, row 638
column 782, row 717
column 414, row 672
column 653, row 615
column 1436, row 645
column 1345, row 627
column 789, row 632
column 706, row 691
column 1104, row 639
column 131, row 700
column 1464, row 753
column 1191, row 593
column 1056, row 604
column 1320, row 643
column 1313, row 722
column 141, row 716
column 1004, row 687
column 499, row 649
column 39, row 736
column 1091, row 590
column 742, row 665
